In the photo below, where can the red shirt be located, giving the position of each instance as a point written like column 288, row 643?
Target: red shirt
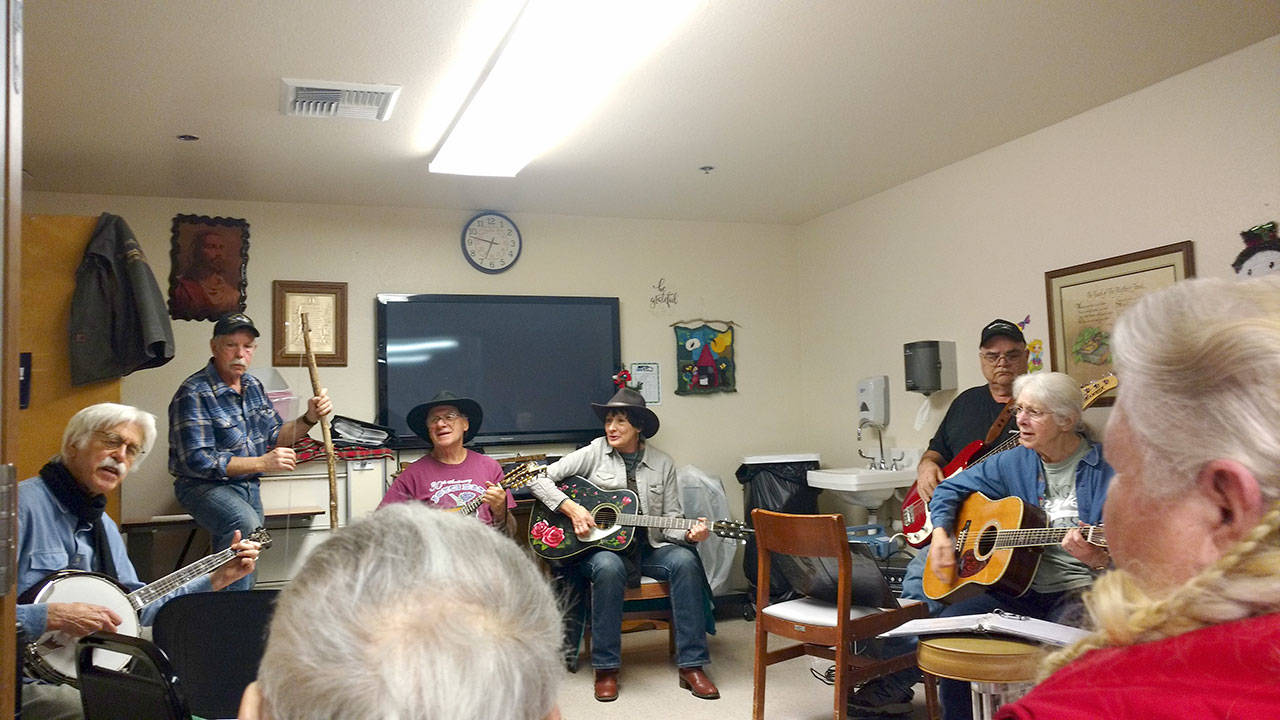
column 1223, row 671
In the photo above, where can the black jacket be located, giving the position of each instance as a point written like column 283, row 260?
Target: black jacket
column 119, row 321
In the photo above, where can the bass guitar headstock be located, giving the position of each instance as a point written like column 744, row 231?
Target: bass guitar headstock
column 1094, row 390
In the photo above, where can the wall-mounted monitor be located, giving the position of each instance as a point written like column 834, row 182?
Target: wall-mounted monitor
column 534, row 363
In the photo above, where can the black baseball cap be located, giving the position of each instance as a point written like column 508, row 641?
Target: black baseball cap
column 1001, row 327
column 228, row 324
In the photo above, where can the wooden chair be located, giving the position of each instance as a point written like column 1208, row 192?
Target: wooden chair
column 826, row 630
column 647, row 607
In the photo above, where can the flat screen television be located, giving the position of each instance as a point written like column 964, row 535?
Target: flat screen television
column 534, row 363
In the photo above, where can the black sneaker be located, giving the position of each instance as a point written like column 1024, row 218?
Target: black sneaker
column 880, row 699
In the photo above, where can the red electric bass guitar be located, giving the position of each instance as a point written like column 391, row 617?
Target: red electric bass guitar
column 915, row 511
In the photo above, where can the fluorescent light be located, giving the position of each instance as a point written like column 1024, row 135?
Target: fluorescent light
column 561, row 59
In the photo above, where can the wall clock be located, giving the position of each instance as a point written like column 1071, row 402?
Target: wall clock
column 491, row 242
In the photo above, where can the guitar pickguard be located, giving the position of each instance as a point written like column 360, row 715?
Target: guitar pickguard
column 969, row 565
column 551, row 533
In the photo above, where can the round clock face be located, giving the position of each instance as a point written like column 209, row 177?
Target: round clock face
column 491, row 242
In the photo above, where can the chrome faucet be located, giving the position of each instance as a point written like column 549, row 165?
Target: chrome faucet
column 876, row 463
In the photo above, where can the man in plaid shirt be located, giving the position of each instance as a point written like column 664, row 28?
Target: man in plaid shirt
column 224, row 434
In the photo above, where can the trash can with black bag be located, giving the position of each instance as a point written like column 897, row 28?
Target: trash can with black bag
column 777, row 483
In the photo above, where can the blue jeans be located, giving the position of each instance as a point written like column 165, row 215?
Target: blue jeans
column 222, row 508
column 954, row 694
column 675, row 564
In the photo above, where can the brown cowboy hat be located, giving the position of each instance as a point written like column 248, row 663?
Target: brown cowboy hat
column 417, row 418
column 626, row 398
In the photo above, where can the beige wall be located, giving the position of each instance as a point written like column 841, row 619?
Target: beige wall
column 1196, row 157
column 726, row 271
column 821, row 305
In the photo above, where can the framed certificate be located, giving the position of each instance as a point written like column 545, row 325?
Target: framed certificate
column 325, row 305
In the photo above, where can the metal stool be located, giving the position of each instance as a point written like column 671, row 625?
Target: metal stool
column 998, row 670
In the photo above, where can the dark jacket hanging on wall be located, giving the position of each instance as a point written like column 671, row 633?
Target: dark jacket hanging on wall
column 119, row 321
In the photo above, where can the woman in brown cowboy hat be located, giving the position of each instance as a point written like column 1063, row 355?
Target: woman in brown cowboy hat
column 451, row 475
column 623, row 459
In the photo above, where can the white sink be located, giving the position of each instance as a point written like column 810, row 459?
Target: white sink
column 861, row 486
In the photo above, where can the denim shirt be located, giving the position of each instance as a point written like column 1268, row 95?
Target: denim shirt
column 52, row 538
column 1016, row 472
column 209, row 423
column 603, row 466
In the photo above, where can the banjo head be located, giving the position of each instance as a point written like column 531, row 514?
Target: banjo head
column 53, row 655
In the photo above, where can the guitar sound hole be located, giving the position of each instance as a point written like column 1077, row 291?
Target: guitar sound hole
column 606, row 517
column 986, row 541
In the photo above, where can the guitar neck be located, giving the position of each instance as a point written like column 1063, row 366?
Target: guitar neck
column 144, row 596
column 656, row 521
column 1038, row 537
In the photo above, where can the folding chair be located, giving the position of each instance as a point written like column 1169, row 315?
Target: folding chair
column 824, row 629
column 145, row 688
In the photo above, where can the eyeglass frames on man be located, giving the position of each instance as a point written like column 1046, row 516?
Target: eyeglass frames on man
column 113, row 442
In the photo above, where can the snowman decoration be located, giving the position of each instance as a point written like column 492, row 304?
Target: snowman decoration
column 1261, row 254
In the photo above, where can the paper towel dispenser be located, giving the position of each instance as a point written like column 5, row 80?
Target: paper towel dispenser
column 930, row 365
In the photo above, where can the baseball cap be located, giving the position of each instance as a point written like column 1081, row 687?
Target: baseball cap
column 228, row 324
column 1001, row 327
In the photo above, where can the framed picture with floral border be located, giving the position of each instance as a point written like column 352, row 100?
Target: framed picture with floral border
column 1085, row 300
column 325, row 304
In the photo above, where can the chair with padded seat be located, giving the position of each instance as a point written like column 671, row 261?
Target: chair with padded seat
column 999, row 670
column 824, row 629
column 146, row 686
column 215, row 641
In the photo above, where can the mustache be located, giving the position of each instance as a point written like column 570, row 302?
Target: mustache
column 239, row 364
column 111, row 463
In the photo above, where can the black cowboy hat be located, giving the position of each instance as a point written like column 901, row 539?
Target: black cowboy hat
column 417, row 417
column 628, row 398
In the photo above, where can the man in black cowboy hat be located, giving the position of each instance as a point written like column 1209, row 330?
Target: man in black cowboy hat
column 451, row 475
column 624, row 459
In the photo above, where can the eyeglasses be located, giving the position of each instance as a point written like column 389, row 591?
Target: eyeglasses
column 1033, row 413
column 1009, row 356
column 113, row 442
column 446, row 416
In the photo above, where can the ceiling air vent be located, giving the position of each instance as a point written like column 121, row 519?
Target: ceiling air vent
column 327, row 98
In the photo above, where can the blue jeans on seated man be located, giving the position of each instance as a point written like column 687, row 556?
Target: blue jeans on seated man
column 677, row 565
column 221, row 508
column 1056, row 607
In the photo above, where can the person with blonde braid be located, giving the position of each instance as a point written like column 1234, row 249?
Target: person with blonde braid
column 1188, row 625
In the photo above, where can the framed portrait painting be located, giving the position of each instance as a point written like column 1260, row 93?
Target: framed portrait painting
column 1085, row 300
column 207, row 268
column 325, row 305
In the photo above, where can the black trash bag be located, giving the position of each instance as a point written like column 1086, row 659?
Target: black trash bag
column 818, row 577
column 780, row 487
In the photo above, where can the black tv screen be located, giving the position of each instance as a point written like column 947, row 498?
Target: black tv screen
column 535, row 364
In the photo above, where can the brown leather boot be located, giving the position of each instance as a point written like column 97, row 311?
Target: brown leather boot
column 607, row 685
column 697, row 682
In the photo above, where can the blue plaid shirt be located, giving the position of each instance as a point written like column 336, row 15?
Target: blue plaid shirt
column 209, row 423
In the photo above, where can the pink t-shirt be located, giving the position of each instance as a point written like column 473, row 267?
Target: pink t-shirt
column 448, row 486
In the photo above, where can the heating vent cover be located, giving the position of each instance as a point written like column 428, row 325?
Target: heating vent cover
column 328, row 98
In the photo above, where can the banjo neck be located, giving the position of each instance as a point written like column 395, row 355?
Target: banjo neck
column 148, row 594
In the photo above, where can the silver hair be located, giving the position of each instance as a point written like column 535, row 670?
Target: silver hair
column 105, row 416
column 1199, row 369
column 414, row 613
column 1057, row 392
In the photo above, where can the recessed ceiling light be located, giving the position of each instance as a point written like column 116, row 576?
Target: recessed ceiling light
column 188, row 138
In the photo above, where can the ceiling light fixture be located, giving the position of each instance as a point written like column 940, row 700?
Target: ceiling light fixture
column 560, row 59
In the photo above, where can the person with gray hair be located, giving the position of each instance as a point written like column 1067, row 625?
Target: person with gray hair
column 62, row 526
column 1189, row 622
column 412, row 613
column 1056, row 468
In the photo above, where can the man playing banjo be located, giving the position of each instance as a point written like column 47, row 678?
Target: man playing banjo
column 61, row 526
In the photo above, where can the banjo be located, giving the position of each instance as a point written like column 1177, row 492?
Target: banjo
column 52, row 657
